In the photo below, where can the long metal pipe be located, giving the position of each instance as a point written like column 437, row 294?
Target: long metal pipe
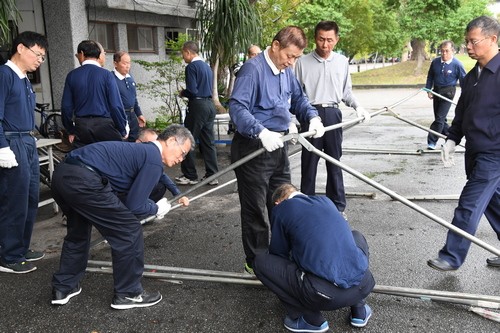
column 438, row 95
column 189, row 274
column 398, row 197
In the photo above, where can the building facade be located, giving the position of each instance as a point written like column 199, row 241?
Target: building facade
column 139, row 27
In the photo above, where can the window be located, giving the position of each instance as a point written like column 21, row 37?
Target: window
column 140, row 38
column 102, row 33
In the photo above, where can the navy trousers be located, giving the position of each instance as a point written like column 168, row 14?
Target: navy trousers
column 133, row 124
column 94, row 129
column 330, row 144
column 200, row 121
column 19, row 192
column 88, row 200
column 257, row 179
column 480, row 195
column 305, row 294
column 441, row 109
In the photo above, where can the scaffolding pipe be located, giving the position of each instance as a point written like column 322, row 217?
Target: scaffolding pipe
column 398, row 197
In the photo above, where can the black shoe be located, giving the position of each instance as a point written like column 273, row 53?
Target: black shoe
column 441, row 265
column 60, row 298
column 139, row 301
column 34, row 255
column 493, row 262
column 17, row 267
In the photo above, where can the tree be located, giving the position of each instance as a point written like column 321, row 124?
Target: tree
column 227, row 28
column 275, row 14
column 8, row 11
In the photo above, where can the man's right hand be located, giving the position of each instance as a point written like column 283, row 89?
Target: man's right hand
column 270, row 140
column 7, row 158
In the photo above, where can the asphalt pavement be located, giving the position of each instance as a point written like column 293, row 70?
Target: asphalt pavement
column 207, row 235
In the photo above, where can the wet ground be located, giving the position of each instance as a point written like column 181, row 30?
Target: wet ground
column 207, row 236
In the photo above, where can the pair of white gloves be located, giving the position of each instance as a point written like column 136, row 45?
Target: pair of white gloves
column 7, row 158
column 272, row 140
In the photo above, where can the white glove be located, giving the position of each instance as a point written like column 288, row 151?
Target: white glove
column 270, row 140
column 315, row 124
column 7, row 158
column 127, row 129
column 447, row 151
column 163, row 208
column 292, row 129
column 361, row 112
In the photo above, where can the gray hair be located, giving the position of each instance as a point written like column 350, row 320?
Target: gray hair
column 180, row 133
column 282, row 191
column 488, row 25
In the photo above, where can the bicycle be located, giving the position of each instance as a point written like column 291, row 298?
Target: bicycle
column 51, row 126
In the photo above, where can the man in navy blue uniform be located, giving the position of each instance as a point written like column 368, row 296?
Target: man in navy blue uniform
column 19, row 166
column 442, row 78
column 477, row 117
column 107, row 185
column 264, row 92
column 91, row 106
column 200, row 115
column 127, row 87
column 315, row 262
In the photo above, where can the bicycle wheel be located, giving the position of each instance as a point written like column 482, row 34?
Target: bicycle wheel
column 54, row 129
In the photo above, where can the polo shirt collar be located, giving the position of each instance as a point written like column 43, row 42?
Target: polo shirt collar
column 197, row 58
column 158, row 144
column 118, row 75
column 16, row 69
column 271, row 64
column 91, row 62
column 447, row 62
column 320, row 59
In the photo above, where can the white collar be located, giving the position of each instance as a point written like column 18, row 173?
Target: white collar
column 197, row 58
column 320, row 59
column 447, row 62
column 158, row 144
column 119, row 75
column 293, row 194
column 91, row 62
column 271, row 64
column 16, row 69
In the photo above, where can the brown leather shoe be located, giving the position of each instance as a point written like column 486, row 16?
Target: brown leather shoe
column 441, row 265
column 493, row 262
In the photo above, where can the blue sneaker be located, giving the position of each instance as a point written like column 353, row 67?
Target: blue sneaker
column 300, row 325
column 431, row 146
column 358, row 322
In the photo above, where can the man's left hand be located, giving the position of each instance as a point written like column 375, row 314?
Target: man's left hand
column 315, row 124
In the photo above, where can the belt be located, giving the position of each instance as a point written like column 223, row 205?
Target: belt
column 327, row 105
column 91, row 117
column 74, row 161
column 21, row 133
column 129, row 110
column 199, row 98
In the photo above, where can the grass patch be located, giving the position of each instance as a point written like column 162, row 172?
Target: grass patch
column 402, row 73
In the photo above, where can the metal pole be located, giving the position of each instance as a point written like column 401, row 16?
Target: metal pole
column 398, row 197
column 168, row 273
column 438, row 95
column 434, row 197
column 417, row 125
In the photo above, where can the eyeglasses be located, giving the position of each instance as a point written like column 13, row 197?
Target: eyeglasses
column 38, row 55
column 184, row 153
column 474, row 42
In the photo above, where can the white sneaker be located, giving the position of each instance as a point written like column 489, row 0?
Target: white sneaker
column 212, row 182
column 185, row 181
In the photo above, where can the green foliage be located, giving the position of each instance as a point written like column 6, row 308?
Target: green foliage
column 8, row 10
column 167, row 79
column 227, row 28
column 275, row 14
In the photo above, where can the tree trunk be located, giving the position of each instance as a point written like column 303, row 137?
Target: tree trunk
column 215, row 92
column 418, row 54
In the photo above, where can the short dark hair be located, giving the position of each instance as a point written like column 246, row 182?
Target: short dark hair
column 190, row 46
column 89, row 48
column 291, row 35
column 118, row 56
column 29, row 39
column 180, row 133
column 326, row 26
column 488, row 25
column 282, row 190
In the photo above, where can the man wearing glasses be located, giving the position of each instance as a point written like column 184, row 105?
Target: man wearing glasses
column 107, row 185
column 19, row 166
column 442, row 78
column 477, row 118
